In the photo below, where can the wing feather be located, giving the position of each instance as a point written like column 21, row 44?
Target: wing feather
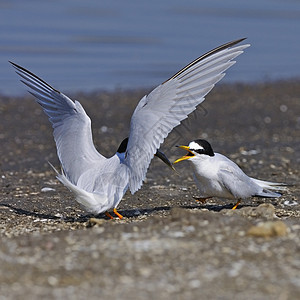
column 170, row 103
column 72, row 126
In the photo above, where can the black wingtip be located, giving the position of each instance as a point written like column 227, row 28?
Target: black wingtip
column 239, row 40
column 16, row 66
column 21, row 69
column 213, row 51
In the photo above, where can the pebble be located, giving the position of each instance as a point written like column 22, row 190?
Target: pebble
column 47, row 189
column 265, row 210
column 250, row 152
column 95, row 221
column 290, row 203
column 158, row 187
column 268, row 229
column 283, row 108
column 104, row 128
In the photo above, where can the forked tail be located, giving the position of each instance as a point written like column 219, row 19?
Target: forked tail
column 87, row 200
column 269, row 187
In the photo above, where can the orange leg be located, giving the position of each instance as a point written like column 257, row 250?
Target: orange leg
column 108, row 215
column 236, row 205
column 202, row 200
column 119, row 215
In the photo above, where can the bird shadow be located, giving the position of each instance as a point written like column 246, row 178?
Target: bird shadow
column 128, row 213
column 24, row 212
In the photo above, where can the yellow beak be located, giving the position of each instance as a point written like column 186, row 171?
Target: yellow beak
column 185, row 156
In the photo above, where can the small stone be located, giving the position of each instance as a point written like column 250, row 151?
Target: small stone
column 266, row 210
column 104, row 128
column 268, row 229
column 290, row 203
column 47, row 189
column 283, row 108
column 267, row 120
column 158, row 187
column 52, row 280
column 94, row 221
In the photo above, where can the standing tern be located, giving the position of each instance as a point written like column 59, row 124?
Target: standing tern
column 99, row 183
column 217, row 176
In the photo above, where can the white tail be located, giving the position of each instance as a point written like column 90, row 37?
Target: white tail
column 269, row 187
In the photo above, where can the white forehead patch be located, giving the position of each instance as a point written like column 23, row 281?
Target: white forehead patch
column 195, row 146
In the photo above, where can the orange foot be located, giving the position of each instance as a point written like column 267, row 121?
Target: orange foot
column 109, row 215
column 116, row 213
column 236, row 205
column 202, row 200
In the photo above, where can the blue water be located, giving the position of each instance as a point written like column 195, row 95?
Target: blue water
column 79, row 45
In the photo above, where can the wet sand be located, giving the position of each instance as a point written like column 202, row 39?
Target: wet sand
column 167, row 246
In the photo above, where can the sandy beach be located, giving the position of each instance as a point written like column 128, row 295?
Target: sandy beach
column 168, row 245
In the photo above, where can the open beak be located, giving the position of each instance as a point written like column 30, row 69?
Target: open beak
column 187, row 156
column 164, row 158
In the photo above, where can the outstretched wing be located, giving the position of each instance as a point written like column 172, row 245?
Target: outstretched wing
column 72, row 126
column 171, row 102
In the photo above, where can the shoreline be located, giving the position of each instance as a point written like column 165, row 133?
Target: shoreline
column 115, row 90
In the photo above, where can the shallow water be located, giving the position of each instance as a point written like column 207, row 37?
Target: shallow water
column 88, row 45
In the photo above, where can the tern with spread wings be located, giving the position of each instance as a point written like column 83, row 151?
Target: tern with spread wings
column 99, row 183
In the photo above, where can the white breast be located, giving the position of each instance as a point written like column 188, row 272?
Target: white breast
column 206, row 176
